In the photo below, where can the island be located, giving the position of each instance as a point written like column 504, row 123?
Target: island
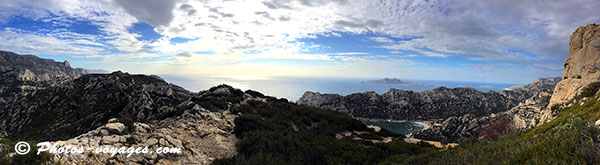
column 389, row 81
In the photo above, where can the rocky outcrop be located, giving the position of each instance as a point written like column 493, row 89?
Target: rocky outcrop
column 201, row 135
column 93, row 111
column 439, row 103
column 25, row 74
column 580, row 69
column 454, row 129
column 67, row 107
column 88, row 102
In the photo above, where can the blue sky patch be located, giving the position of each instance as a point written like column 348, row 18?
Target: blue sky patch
column 146, row 31
column 49, row 25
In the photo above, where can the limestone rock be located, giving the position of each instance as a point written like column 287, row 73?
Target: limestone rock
column 454, row 129
column 581, row 68
column 22, row 75
column 439, row 103
column 171, row 132
column 115, row 127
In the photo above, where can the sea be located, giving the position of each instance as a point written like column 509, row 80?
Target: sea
column 292, row 88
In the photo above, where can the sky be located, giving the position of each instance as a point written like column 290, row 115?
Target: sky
column 508, row 41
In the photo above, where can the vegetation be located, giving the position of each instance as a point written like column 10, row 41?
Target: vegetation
column 589, row 90
column 570, row 138
column 128, row 122
column 279, row 132
column 29, row 158
column 276, row 131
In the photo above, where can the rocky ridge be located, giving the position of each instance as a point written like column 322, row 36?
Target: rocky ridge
column 119, row 109
column 201, row 135
column 436, row 104
column 580, row 69
column 95, row 109
column 455, row 129
column 89, row 101
column 25, row 74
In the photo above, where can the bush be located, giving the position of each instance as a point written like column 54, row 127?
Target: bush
column 129, row 124
column 29, row 158
column 589, row 90
column 279, row 132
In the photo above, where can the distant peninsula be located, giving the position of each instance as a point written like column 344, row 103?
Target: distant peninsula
column 389, row 81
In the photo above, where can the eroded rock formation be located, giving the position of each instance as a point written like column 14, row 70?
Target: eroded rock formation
column 580, row 69
column 439, row 103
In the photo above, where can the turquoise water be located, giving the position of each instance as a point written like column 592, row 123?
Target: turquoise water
column 404, row 128
column 293, row 88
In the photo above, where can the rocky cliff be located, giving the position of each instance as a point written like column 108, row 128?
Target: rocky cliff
column 120, row 109
column 583, row 65
column 439, row 103
column 44, row 100
column 25, row 74
column 523, row 116
column 580, row 69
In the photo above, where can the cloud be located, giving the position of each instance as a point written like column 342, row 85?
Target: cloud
column 235, row 31
column 223, row 14
column 184, row 54
column 351, row 53
column 153, row 12
column 276, row 4
column 434, row 54
column 31, row 42
column 382, row 39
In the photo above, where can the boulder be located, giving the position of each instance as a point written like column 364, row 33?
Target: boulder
column 115, row 128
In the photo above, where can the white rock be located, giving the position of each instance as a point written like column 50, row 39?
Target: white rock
column 104, row 132
column 151, row 141
column 115, row 127
column 113, row 120
column 110, row 139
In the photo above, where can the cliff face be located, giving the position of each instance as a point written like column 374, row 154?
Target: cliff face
column 523, row 116
column 581, row 68
column 583, row 65
column 439, row 103
column 25, row 74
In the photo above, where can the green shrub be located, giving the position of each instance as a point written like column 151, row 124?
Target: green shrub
column 589, row 90
column 129, row 124
column 279, row 132
column 30, row 158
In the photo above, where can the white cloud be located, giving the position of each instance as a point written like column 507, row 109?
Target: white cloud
column 270, row 29
column 31, row 42
column 382, row 39
column 351, row 53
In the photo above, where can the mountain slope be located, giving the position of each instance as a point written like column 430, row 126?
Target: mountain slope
column 439, row 103
column 24, row 74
